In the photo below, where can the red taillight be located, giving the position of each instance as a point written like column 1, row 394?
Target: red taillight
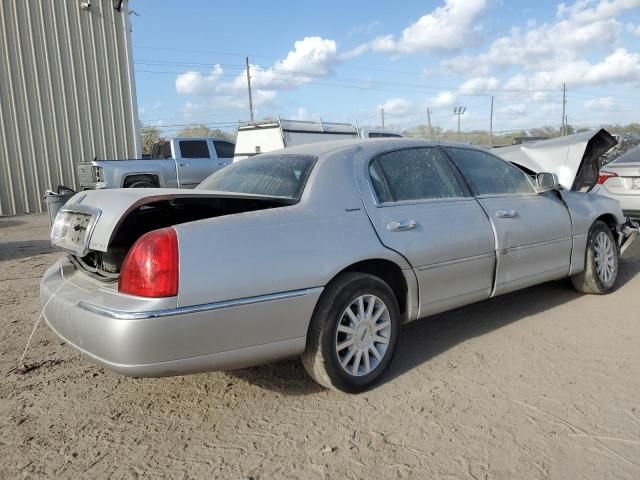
column 150, row 269
column 604, row 176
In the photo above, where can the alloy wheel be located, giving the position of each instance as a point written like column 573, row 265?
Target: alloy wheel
column 604, row 257
column 363, row 335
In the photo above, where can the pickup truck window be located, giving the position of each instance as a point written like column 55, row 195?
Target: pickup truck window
column 194, row 149
column 269, row 175
column 224, row 149
column 161, row 150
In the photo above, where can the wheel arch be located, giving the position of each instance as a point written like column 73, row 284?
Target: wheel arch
column 390, row 273
column 133, row 177
column 611, row 221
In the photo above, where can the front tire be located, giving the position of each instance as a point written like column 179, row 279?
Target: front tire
column 353, row 333
column 601, row 263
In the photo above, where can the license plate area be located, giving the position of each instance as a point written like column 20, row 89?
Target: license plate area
column 73, row 227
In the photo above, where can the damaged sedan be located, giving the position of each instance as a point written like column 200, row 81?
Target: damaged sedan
column 320, row 251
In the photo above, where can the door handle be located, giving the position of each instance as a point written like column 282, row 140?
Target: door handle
column 186, row 164
column 509, row 213
column 402, row 225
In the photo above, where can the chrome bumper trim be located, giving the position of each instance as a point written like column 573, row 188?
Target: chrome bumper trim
column 205, row 307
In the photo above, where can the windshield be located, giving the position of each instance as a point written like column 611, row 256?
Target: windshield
column 270, row 175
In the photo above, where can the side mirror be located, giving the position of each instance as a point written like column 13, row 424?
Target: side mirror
column 547, row 182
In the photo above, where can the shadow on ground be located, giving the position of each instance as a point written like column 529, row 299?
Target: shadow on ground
column 6, row 222
column 23, row 249
column 425, row 339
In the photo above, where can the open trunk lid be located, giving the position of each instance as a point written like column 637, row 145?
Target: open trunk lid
column 575, row 159
column 99, row 227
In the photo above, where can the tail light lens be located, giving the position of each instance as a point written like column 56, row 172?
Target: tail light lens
column 604, row 176
column 150, row 269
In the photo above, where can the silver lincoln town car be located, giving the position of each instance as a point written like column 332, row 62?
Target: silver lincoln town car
column 321, row 251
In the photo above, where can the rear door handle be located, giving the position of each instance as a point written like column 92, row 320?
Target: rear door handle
column 402, row 225
column 509, row 213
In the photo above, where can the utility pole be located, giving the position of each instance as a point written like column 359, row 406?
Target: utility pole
column 459, row 111
column 491, row 124
column 249, row 88
column 429, row 122
column 382, row 115
column 564, row 104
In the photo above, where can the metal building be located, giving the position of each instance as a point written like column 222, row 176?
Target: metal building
column 67, row 94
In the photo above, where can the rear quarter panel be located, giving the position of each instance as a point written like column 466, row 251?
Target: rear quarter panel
column 281, row 249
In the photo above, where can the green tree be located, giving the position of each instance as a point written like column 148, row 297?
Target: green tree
column 148, row 135
column 205, row 131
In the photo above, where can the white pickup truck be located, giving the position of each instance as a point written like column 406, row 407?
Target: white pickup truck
column 175, row 163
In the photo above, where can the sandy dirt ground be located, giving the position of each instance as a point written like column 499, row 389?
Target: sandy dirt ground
column 543, row 383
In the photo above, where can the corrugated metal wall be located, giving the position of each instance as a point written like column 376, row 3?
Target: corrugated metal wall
column 67, row 94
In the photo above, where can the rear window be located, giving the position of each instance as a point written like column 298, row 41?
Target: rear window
column 271, row 175
column 631, row 156
column 224, row 149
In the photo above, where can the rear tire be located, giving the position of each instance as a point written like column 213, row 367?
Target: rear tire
column 601, row 262
column 353, row 333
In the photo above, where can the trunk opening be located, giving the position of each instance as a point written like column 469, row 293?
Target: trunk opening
column 160, row 213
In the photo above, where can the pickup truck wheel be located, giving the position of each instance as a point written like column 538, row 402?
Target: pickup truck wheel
column 601, row 267
column 140, row 181
column 353, row 333
column 140, row 185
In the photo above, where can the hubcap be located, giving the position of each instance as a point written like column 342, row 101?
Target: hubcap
column 363, row 334
column 605, row 257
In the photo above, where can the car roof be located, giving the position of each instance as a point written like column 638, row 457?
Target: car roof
column 373, row 145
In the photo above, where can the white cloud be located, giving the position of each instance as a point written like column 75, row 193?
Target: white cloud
column 580, row 28
column 158, row 104
column 397, row 106
column 479, row 85
column 196, row 83
column 368, row 28
column 447, row 28
column 443, row 99
column 619, row 66
column 514, row 110
column 354, row 52
column 634, row 29
column 601, row 103
column 310, row 57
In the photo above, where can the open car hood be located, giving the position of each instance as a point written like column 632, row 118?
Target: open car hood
column 575, row 159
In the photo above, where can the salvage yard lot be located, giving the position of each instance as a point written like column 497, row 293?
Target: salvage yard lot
column 542, row 383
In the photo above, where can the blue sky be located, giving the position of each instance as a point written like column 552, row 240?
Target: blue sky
column 343, row 61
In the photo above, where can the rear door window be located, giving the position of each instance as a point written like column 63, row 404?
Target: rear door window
column 224, row 149
column 489, row 175
column 194, row 149
column 413, row 174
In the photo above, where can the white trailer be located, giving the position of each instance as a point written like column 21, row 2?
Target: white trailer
column 255, row 138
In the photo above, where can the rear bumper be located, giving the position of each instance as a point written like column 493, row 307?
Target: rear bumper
column 629, row 203
column 172, row 341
